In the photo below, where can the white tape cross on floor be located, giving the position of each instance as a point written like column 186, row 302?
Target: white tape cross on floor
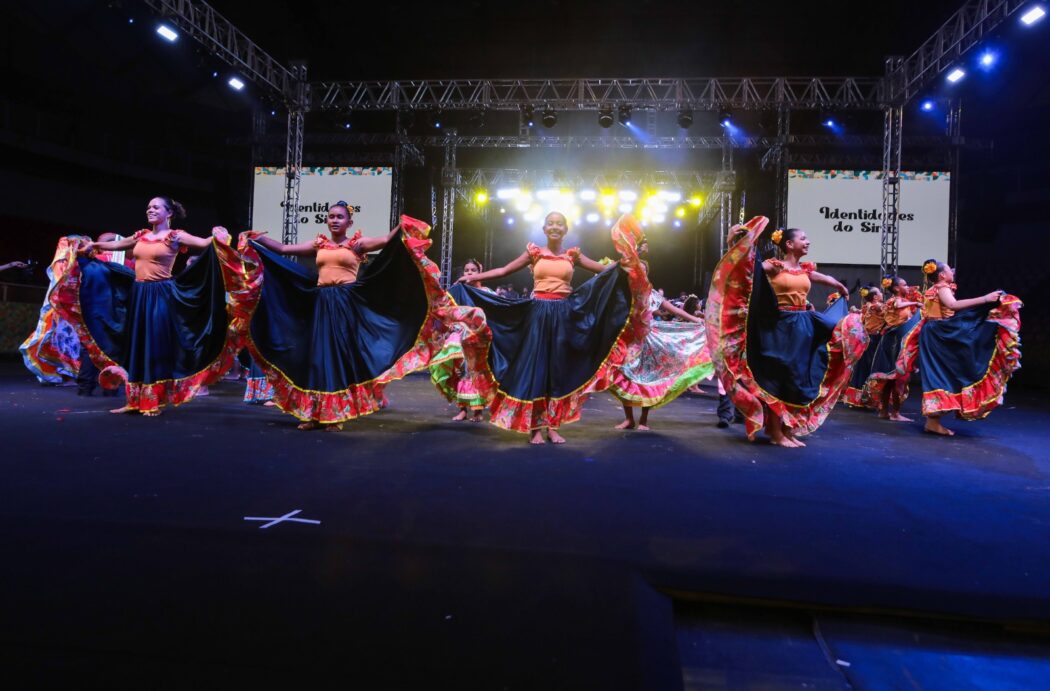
column 286, row 518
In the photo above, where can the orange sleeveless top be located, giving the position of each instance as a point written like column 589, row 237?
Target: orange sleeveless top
column 872, row 315
column 552, row 273
column 154, row 258
column 894, row 315
column 931, row 303
column 791, row 285
column 337, row 264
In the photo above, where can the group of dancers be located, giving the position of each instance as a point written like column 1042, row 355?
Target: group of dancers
column 325, row 346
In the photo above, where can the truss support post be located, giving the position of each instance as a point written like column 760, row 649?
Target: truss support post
column 448, row 207
column 293, row 156
column 893, row 126
column 955, row 154
column 783, row 132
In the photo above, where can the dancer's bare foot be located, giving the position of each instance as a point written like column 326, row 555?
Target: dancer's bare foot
column 123, row 409
column 537, row 437
column 269, row 404
column 643, row 427
column 783, row 441
column 554, row 437
column 626, row 424
column 934, row 426
column 308, row 425
column 477, row 416
column 792, row 438
column 337, row 427
column 897, row 417
column 151, row 413
column 461, row 415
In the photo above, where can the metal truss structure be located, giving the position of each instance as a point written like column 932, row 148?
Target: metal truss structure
column 222, row 39
column 891, row 189
column 903, row 79
column 701, row 93
column 965, row 29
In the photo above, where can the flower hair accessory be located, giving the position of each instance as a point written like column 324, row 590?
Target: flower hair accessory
column 776, row 236
column 835, row 296
column 864, row 292
column 887, row 282
column 929, row 268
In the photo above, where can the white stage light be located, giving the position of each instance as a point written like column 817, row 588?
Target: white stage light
column 546, row 195
column 236, row 83
column 510, row 220
column 677, row 223
column 628, row 195
column 626, row 208
column 955, row 75
column 1033, row 15
column 670, row 196
column 167, row 33
column 593, row 217
column 507, row 193
column 588, row 195
column 659, row 218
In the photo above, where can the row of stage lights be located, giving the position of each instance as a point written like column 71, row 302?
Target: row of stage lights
column 986, row 59
column 171, row 36
column 591, row 206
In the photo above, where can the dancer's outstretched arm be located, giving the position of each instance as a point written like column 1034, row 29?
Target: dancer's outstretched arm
column 586, row 262
column 366, row 245
column 949, row 301
column 301, row 249
column 817, row 277
column 515, row 265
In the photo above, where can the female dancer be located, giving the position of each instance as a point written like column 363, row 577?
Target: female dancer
column 966, row 349
column 872, row 316
column 552, row 350
column 329, row 344
column 885, row 389
column 450, row 374
column 673, row 358
column 784, row 363
column 166, row 335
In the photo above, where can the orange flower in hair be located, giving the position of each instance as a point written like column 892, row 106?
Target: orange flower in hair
column 833, row 297
column 864, row 292
column 777, row 234
column 887, row 282
column 929, row 268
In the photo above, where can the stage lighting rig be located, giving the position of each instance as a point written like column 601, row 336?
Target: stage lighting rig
column 605, row 116
column 685, row 118
column 528, row 114
column 550, row 117
column 625, row 114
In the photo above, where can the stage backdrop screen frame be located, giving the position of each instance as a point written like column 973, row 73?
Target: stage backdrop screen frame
column 841, row 212
column 367, row 188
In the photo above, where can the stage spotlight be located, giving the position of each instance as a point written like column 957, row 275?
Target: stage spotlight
column 167, row 33
column 605, row 116
column 346, row 125
column 510, row 220
column 955, row 75
column 588, row 195
column 677, row 223
column 435, row 119
column 593, row 217
column 550, row 118
column 696, row 201
column 987, row 59
column 624, row 114
column 680, row 212
column 725, row 118
column 507, row 193
column 685, row 118
column 528, row 114
column 628, row 195
column 928, row 106
column 235, row 83
column 1033, row 15
column 482, row 197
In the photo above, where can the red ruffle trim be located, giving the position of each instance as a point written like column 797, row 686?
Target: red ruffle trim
column 524, row 416
column 149, row 397
column 726, row 317
column 443, row 315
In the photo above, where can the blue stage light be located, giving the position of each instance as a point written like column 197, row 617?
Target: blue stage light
column 928, row 106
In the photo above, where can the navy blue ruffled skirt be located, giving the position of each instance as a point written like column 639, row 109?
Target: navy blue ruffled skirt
column 547, row 355
column 169, row 336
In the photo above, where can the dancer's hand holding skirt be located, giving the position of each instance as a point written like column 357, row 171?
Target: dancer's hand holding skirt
column 796, row 364
column 328, row 351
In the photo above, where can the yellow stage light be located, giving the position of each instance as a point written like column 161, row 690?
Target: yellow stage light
column 696, row 201
column 481, row 197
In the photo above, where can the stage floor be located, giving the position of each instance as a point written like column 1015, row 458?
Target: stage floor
column 456, row 552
